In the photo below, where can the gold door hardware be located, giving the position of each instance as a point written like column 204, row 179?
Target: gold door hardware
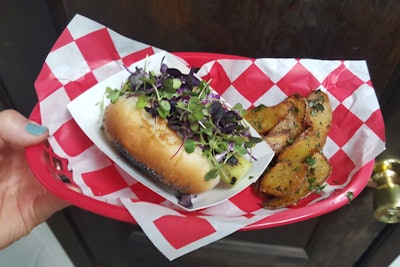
column 386, row 179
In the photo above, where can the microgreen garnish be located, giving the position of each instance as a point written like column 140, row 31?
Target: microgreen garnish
column 113, row 94
column 193, row 110
column 190, row 145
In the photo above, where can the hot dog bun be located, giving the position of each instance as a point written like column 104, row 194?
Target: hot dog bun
column 150, row 143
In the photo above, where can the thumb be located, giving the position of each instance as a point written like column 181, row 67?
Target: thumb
column 15, row 129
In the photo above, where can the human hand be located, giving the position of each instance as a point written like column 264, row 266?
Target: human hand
column 24, row 202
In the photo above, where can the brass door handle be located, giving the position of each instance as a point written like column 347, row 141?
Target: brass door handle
column 386, row 179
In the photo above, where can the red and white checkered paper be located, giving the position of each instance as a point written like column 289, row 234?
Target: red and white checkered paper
column 88, row 52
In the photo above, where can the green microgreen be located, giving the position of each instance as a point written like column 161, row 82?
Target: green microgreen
column 141, row 102
column 113, row 94
column 193, row 110
column 171, row 85
column 190, row 145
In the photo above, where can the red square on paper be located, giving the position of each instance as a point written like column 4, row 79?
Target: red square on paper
column 298, row 80
column 65, row 38
column 341, row 83
column 180, row 231
column 344, row 165
column 77, row 87
column 72, row 139
column 219, row 80
column 97, row 48
column 139, row 55
column 252, row 83
column 375, row 124
column 145, row 194
column 104, row 181
column 247, row 200
column 343, row 119
column 46, row 83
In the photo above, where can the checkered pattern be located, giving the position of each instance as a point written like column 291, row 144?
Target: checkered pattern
column 88, row 52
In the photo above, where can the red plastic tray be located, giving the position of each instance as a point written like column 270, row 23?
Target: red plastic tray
column 52, row 172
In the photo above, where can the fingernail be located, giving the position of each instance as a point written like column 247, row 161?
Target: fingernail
column 35, row 129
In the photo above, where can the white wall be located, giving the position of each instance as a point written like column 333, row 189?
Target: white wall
column 396, row 262
column 39, row 249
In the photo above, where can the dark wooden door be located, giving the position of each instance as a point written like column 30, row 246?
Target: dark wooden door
column 370, row 30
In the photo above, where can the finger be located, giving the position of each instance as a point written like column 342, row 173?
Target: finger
column 17, row 130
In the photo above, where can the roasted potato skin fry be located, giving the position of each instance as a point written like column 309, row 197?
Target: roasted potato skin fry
column 282, row 202
column 278, row 141
column 288, row 129
column 284, row 178
column 263, row 118
column 299, row 167
column 319, row 112
column 298, row 111
column 319, row 170
column 307, row 143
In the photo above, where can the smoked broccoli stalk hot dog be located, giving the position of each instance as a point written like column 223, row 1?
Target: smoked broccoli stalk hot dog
column 177, row 129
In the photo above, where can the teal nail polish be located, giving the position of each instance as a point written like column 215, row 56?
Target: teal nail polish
column 35, row 129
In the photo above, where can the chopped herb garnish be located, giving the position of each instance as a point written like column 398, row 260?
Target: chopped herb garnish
column 311, row 184
column 350, row 197
column 316, row 105
column 258, row 108
column 290, row 141
column 310, row 161
column 320, row 188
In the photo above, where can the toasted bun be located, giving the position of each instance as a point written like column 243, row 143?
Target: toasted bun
column 149, row 143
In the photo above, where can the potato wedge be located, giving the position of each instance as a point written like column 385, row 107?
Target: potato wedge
column 281, row 202
column 278, row 141
column 296, row 130
column 319, row 111
column 284, row 178
column 290, row 127
column 319, row 170
column 306, row 144
column 263, row 118
column 298, row 111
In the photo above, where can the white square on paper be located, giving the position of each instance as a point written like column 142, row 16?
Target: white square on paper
column 77, row 30
column 67, row 63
